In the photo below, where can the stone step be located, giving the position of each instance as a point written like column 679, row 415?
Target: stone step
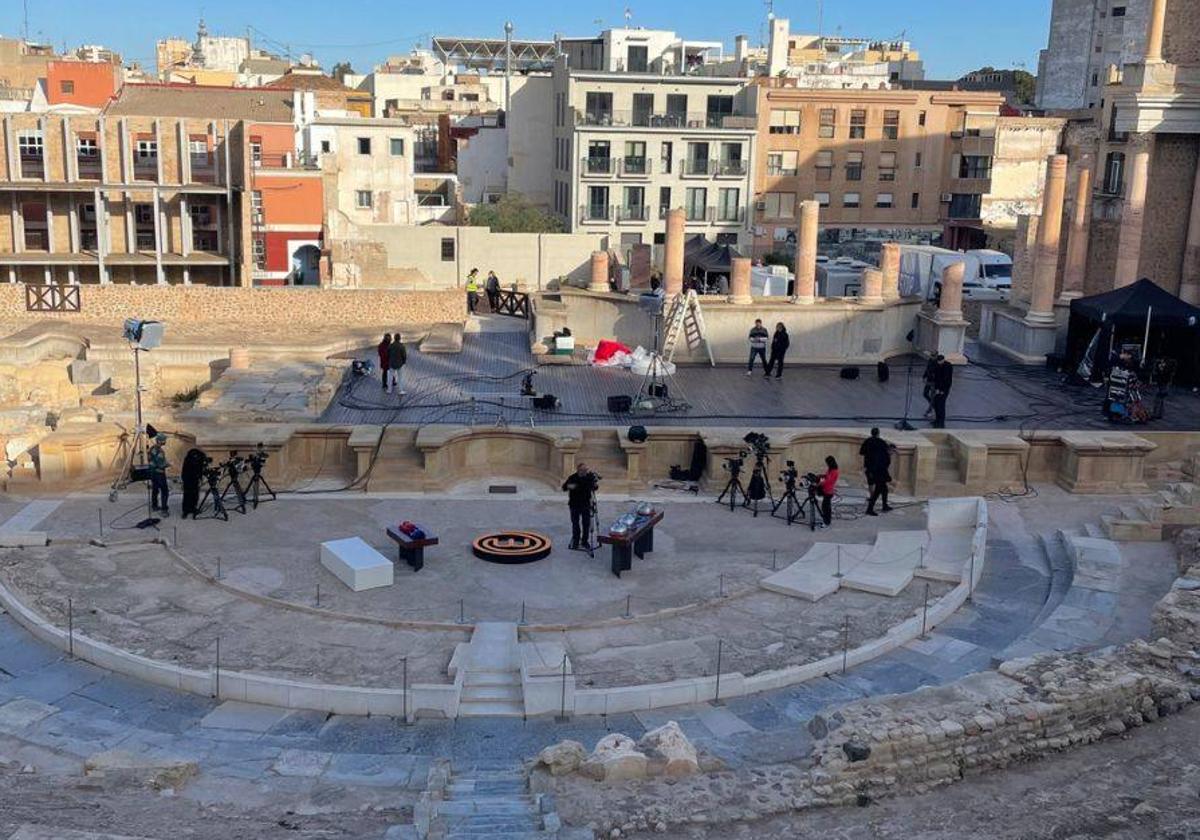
column 481, row 678
column 1121, row 528
column 504, row 835
column 494, row 708
column 483, row 790
column 488, row 807
column 502, row 693
column 1094, row 530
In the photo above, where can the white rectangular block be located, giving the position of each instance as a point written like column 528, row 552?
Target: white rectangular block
column 23, row 539
column 356, row 564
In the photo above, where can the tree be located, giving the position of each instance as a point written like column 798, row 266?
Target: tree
column 341, row 70
column 514, row 214
column 1025, row 86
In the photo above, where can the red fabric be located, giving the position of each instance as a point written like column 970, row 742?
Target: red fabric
column 383, row 354
column 606, row 349
column 829, row 482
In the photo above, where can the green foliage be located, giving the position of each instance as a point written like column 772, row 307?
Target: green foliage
column 341, row 70
column 776, row 258
column 188, row 396
column 1026, row 86
column 514, row 214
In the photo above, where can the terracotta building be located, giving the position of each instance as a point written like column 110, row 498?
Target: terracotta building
column 90, row 84
column 893, row 161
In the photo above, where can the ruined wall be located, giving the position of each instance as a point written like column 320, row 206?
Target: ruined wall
column 1168, row 206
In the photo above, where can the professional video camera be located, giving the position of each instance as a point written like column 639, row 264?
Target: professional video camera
column 789, row 475
column 734, row 465
column 212, row 474
column 257, row 458
column 234, row 465
column 760, row 443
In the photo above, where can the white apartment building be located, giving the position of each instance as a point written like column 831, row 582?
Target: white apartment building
column 630, row 144
column 1087, row 37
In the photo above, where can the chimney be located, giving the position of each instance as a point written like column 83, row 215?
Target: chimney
column 777, row 57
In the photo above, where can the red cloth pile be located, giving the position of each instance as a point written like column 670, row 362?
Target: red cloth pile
column 606, row 349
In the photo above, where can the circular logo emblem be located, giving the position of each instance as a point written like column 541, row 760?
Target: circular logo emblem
column 511, row 547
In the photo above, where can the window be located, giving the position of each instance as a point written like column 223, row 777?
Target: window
column 635, row 157
column 779, row 205
column 643, row 108
column 397, row 146
column 66, row 86
column 634, row 206
column 146, row 152
column 204, row 240
column 695, row 204
column 921, row 118
column 87, row 213
column 975, row 166
column 891, row 125
column 1095, row 79
column 883, row 200
column 447, row 249
column 858, row 124
column 731, row 159
column 782, row 163
column 1118, row 11
column 785, row 122
column 256, row 206
column 30, row 144
column 198, row 149
column 828, row 121
column 201, row 215
column 851, row 200
column 660, row 239
column 469, row 97
column 256, row 153
column 664, row 201
column 719, row 107
column 822, row 198
column 362, row 199
column 325, row 147
column 86, row 147
column 854, row 166
column 665, row 155
column 597, row 206
column 887, row 166
column 916, row 201
column 918, row 160
column 965, row 205
column 676, row 109
column 1114, row 173
column 824, row 166
column 637, row 59
column 599, row 157
column 697, row 159
column 729, row 205
column 364, row 145
column 143, row 214
column 259, row 248
column 598, row 108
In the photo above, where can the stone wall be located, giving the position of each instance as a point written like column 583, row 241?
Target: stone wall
column 290, row 306
column 1168, row 206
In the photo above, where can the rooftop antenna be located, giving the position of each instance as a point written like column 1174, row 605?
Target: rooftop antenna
column 628, row 16
column 820, row 17
column 25, row 20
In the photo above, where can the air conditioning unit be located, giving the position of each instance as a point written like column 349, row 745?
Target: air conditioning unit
column 956, row 135
column 947, row 198
column 760, row 206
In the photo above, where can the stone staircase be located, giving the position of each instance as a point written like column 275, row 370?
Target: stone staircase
column 491, row 666
column 492, row 800
column 1176, row 506
column 601, row 450
column 399, row 464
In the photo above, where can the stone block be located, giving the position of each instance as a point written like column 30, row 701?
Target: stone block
column 23, row 539
column 356, row 564
column 84, row 372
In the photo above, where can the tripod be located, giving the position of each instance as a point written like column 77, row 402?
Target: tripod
column 761, row 462
column 733, row 487
column 236, row 486
column 903, row 425
column 213, row 492
column 257, row 481
column 793, row 507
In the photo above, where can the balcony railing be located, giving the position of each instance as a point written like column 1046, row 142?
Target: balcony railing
column 731, row 215
column 633, row 214
column 699, row 167
column 145, row 169
column 204, row 173
column 283, row 160
column 699, row 214
column 598, row 165
column 635, row 165
column 736, row 168
column 781, row 172
column 667, row 119
column 595, row 213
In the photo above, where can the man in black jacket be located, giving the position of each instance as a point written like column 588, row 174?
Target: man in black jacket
column 779, row 347
column 877, row 460
column 580, row 487
column 397, row 359
column 943, row 379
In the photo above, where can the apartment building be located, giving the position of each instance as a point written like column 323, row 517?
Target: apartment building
column 165, row 185
column 887, row 163
column 1087, row 38
column 639, row 129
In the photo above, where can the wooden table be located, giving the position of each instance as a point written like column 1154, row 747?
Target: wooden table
column 638, row 540
column 411, row 551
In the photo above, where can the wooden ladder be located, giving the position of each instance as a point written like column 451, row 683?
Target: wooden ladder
column 685, row 320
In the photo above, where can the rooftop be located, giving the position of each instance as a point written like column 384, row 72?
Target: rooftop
column 201, row 102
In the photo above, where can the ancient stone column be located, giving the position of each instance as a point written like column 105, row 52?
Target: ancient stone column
column 739, row 282
column 1077, row 239
column 1045, row 270
column 889, row 264
column 673, row 262
column 1189, row 282
column 806, row 253
column 1133, row 217
column 599, row 279
column 872, row 286
column 1155, row 30
column 950, row 304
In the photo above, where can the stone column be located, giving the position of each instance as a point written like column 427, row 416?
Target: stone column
column 889, row 263
column 1077, row 239
column 872, row 286
column 599, row 279
column 1045, row 270
column 1189, row 282
column 739, row 282
column 1133, row 217
column 673, row 261
column 950, row 304
column 806, row 253
column 1155, row 30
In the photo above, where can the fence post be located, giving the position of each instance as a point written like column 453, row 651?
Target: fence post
column 523, row 621
column 845, row 640
column 462, row 616
column 217, row 687
column 218, row 567
column 925, row 614
column 971, row 579
column 404, row 662
column 838, row 573
column 100, row 516
column 318, row 595
column 562, row 713
column 721, row 585
column 70, row 629
column 627, row 600
column 717, row 692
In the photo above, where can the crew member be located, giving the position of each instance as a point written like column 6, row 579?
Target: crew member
column 877, row 459
column 492, row 286
column 579, row 488
column 190, row 476
column 827, row 488
column 943, row 379
column 779, row 347
column 383, row 357
column 472, row 290
column 397, row 358
column 758, row 346
column 159, row 490
column 927, row 378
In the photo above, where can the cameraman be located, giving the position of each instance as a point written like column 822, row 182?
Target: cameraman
column 580, row 487
column 877, row 459
column 827, row 488
column 159, row 489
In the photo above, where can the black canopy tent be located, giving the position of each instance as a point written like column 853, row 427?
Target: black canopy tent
column 704, row 261
column 1143, row 313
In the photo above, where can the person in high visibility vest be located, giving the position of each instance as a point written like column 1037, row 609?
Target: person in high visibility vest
column 472, row 290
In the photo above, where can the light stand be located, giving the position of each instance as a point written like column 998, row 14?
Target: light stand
column 903, row 425
column 142, row 336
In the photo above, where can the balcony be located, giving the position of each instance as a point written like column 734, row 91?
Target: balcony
column 631, row 165
column 732, row 169
column 599, row 165
column 780, row 172
column 699, row 167
column 203, row 171
column 668, row 119
column 730, row 215
column 699, row 215
column 633, row 214
column 595, row 213
column 283, row 160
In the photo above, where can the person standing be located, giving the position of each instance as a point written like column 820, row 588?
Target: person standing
column 827, row 488
column 190, row 476
column 383, row 358
column 758, row 346
column 877, row 460
column 492, row 286
column 473, row 290
column 397, row 358
column 927, row 378
column 159, row 489
column 943, row 379
column 580, row 486
column 779, row 347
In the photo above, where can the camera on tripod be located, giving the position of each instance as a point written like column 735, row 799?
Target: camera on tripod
column 234, row 465
column 258, row 458
column 789, row 474
column 760, row 443
column 734, row 465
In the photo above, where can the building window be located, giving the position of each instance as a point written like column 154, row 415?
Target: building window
column 259, row 248
column 599, row 158
column 1118, row 11
column 851, row 200
column 824, row 166
column 198, row 149
column 916, row 201
column 634, row 206
column 779, row 205
column 858, row 124
column 256, row 207
column 731, row 159
column 325, row 147
column 1114, row 173
column 729, row 205
column 86, row 147
column 66, row 86
column 718, row 108
column 665, row 153
column 362, row 199
column 891, row 125
column 1095, row 79
column 887, row 166
column 598, row 108
column 87, row 213
column 965, row 205
column 597, row 206
column 637, row 59
column 782, row 163
column 696, row 204
column 677, row 110
column 921, row 118
column 397, row 146
column 822, row 198
column 918, row 160
column 146, row 152
column 854, row 166
column 828, row 123
column 364, row 145
column 201, row 215
column 643, row 108
column 143, row 214
column 883, row 200
column 785, row 122
column 30, row 144
column 975, row 166
column 448, row 249
column 697, row 159
column 470, row 97
column 635, row 162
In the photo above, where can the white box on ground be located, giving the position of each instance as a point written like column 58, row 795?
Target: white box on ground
column 356, row 564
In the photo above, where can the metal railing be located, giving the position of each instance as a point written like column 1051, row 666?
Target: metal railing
column 732, row 167
column 664, row 119
column 283, row 160
column 699, row 167
column 595, row 213
column 51, row 298
column 633, row 214
column 514, row 303
column 699, row 214
column 635, row 165
column 598, row 165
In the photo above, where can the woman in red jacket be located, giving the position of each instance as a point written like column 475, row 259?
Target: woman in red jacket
column 828, row 488
column 383, row 357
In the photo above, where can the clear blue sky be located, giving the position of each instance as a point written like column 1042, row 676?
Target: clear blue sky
column 954, row 36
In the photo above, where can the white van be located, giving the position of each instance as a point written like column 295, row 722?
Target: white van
column 987, row 274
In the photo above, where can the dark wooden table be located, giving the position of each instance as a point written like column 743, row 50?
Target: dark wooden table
column 411, row 551
column 639, row 540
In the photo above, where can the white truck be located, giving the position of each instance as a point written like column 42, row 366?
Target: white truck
column 988, row 274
